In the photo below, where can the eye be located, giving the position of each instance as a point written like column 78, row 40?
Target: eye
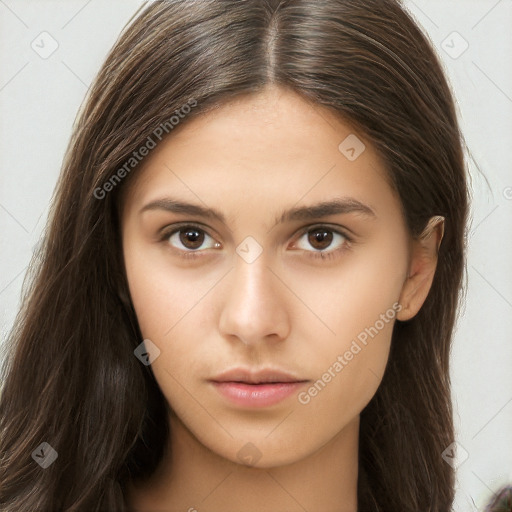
column 188, row 241
column 188, row 238
column 321, row 238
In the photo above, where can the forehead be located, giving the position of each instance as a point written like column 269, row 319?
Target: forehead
column 271, row 148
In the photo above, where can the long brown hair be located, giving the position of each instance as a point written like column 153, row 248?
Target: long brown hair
column 71, row 379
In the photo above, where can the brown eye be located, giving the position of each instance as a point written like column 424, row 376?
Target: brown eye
column 320, row 238
column 191, row 238
column 323, row 242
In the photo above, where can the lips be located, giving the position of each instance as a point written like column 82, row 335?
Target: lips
column 250, row 389
column 257, row 377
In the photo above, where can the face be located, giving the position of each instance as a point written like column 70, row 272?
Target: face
column 267, row 265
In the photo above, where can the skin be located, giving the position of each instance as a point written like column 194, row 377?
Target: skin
column 251, row 159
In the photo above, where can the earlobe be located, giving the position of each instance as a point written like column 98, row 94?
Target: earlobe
column 422, row 268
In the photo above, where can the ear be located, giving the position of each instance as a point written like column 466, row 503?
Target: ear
column 422, row 268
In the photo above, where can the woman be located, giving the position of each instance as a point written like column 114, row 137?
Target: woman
column 250, row 278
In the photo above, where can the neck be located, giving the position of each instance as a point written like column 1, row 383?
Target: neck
column 195, row 479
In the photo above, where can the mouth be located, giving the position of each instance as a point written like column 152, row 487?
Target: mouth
column 256, row 389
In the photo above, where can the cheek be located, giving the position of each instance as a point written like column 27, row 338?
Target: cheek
column 359, row 303
column 174, row 310
column 353, row 296
column 346, row 384
column 163, row 295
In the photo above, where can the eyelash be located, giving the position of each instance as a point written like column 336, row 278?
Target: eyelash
column 322, row 255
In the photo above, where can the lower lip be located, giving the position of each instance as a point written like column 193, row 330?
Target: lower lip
column 257, row 395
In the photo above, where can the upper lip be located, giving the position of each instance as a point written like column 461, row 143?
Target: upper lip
column 265, row 375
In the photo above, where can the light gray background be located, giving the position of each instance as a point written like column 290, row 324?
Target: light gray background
column 39, row 98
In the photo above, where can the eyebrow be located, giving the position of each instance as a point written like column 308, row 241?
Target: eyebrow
column 335, row 206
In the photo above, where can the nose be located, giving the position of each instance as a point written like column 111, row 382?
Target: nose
column 254, row 310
